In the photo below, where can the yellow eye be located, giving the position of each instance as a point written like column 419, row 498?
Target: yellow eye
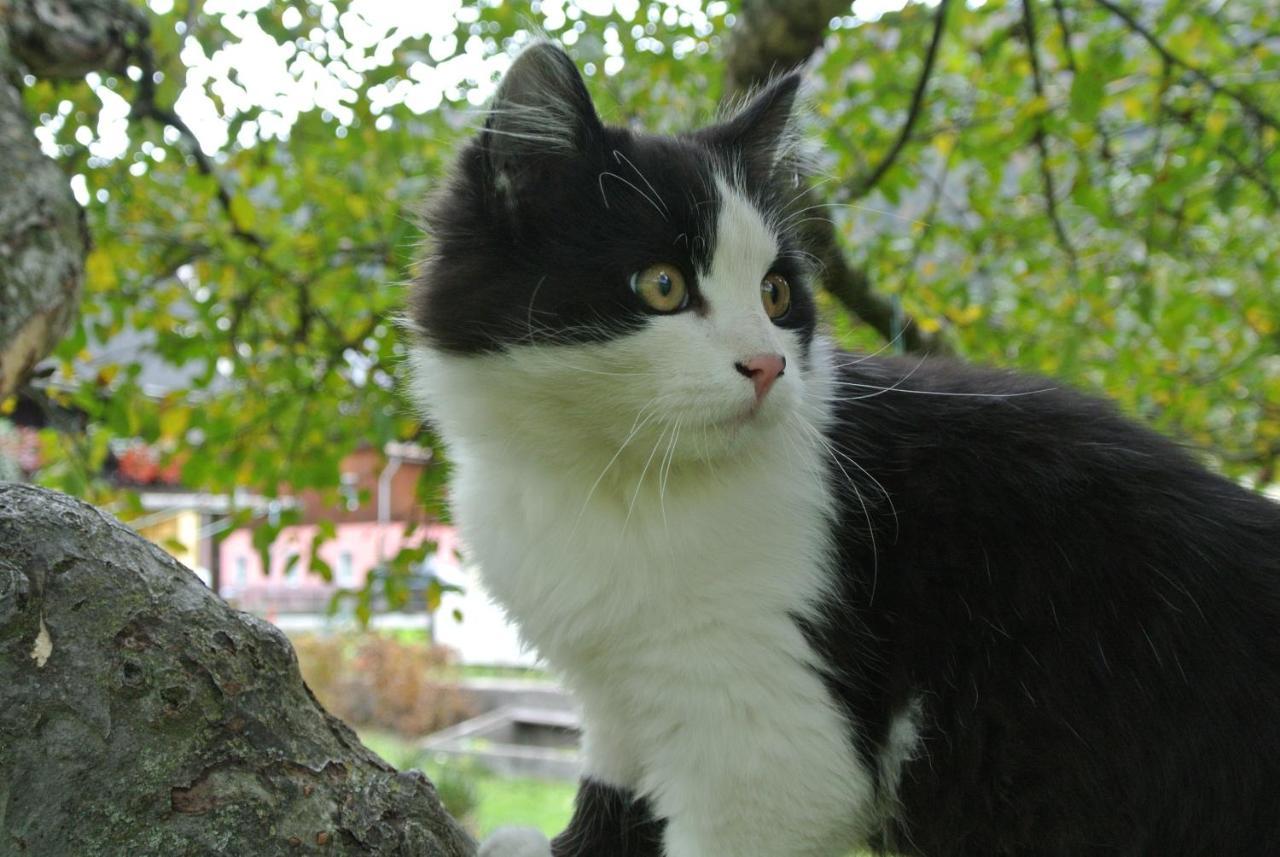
column 776, row 293
column 661, row 286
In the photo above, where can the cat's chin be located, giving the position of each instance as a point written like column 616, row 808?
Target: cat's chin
column 745, row 418
column 729, row 434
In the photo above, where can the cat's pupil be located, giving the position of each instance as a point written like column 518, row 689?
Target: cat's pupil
column 664, row 285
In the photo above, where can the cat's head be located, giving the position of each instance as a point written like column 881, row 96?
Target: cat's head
column 603, row 286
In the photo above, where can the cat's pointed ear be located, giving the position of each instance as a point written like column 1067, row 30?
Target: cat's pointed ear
column 541, row 110
column 762, row 132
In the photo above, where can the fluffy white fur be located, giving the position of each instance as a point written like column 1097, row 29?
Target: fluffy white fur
column 653, row 535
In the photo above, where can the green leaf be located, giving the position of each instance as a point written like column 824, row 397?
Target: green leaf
column 1087, row 88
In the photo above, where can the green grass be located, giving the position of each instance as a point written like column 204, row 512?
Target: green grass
column 544, row 804
column 476, row 671
column 483, row 801
column 479, row 799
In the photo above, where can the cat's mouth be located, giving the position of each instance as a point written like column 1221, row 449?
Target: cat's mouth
column 740, row 419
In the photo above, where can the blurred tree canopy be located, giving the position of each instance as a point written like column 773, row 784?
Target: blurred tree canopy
column 1084, row 188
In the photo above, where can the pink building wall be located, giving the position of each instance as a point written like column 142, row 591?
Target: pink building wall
column 353, row 552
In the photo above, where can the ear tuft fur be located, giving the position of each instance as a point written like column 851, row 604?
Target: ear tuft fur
column 761, row 132
column 541, row 109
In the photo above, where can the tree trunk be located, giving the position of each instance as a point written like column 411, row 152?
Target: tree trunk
column 140, row 715
column 43, row 239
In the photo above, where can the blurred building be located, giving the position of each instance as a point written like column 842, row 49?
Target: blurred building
column 378, row 515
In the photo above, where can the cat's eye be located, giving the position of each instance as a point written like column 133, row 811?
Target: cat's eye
column 775, row 291
column 662, row 287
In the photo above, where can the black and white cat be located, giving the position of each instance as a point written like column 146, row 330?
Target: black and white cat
column 809, row 600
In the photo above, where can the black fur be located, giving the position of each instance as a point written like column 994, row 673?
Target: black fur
column 608, row 822
column 1088, row 619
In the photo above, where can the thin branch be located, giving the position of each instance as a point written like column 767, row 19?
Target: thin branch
column 1065, row 30
column 852, row 287
column 1246, row 103
column 1256, row 176
column 145, row 107
column 864, row 185
column 1041, row 140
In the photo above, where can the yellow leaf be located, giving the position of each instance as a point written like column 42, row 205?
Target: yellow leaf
column 8, row 405
column 1216, row 123
column 928, row 325
column 1037, row 106
column 945, row 144
column 1258, row 320
column 358, row 207
column 242, row 211
column 173, row 422
column 107, row 374
column 99, row 271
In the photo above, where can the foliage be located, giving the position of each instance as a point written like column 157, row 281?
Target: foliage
column 382, row 682
column 1089, row 190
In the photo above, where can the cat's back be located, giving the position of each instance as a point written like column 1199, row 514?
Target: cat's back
column 1087, row 620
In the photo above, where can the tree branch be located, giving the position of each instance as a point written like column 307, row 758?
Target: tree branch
column 146, row 717
column 145, row 107
column 773, row 36
column 1065, row 31
column 43, row 237
column 1041, row 140
column 67, row 39
column 1254, row 174
column 866, row 184
column 1246, row 103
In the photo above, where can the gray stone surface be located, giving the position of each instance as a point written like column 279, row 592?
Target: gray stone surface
column 140, row 715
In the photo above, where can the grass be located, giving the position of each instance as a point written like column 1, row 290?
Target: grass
column 481, row 800
column 476, row 671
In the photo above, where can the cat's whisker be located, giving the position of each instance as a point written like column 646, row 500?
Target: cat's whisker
column 618, row 156
column 600, row 180
column 863, row 206
column 957, row 394
column 902, row 329
column 637, row 426
column 835, row 451
column 880, row 391
column 635, row 495
column 664, row 473
column 826, row 446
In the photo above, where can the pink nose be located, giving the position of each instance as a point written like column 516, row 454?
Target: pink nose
column 763, row 370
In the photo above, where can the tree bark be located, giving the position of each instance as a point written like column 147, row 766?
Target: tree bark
column 774, row 36
column 43, row 238
column 140, row 715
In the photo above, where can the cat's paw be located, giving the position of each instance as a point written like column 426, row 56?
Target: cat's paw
column 516, row 842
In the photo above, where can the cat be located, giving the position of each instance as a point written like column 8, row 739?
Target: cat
column 810, row 600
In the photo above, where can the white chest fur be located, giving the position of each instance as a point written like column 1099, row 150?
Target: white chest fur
column 668, row 601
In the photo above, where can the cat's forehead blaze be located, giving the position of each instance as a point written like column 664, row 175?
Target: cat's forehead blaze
column 746, row 247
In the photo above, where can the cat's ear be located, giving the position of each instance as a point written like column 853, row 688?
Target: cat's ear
column 541, row 110
column 762, row 132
